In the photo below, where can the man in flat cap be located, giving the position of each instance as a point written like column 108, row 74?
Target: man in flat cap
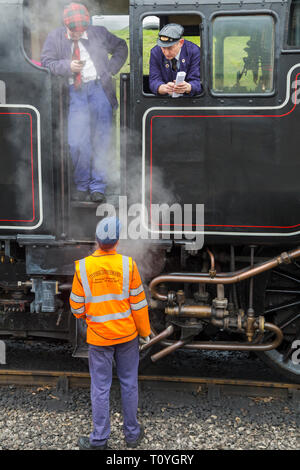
column 174, row 54
column 79, row 52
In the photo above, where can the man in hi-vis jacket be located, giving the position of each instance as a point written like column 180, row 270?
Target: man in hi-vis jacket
column 108, row 293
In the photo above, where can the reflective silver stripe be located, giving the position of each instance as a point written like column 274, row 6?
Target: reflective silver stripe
column 76, row 298
column 139, row 305
column 125, row 261
column 111, row 316
column 106, row 297
column 84, row 279
column 137, row 291
column 77, row 310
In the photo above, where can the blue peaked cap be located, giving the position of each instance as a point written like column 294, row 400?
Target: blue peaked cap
column 108, row 231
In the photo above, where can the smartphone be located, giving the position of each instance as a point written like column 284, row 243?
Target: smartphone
column 82, row 62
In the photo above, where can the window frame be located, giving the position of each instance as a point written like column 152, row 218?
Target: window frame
column 210, row 66
column 202, row 44
column 287, row 48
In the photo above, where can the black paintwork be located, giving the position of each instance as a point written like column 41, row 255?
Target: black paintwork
column 242, row 164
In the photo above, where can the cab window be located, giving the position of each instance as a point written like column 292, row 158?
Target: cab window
column 153, row 24
column 294, row 24
column 243, row 54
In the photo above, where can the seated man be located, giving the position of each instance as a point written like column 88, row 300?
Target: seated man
column 80, row 52
column 171, row 55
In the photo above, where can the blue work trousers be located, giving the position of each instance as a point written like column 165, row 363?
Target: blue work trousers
column 126, row 356
column 89, row 136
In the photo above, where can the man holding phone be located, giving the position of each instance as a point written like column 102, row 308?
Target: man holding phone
column 171, row 55
column 79, row 52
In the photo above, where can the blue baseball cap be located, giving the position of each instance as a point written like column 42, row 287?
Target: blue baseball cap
column 108, row 231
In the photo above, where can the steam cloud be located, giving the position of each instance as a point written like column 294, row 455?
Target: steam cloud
column 40, row 21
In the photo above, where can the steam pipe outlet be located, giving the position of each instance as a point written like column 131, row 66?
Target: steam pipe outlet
column 161, row 336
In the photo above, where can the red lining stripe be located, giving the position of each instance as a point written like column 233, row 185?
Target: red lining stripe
column 32, row 172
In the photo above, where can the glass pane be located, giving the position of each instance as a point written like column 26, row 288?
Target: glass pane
column 150, row 34
column 151, row 27
column 294, row 25
column 243, row 54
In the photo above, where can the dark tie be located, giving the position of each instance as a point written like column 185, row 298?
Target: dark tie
column 174, row 64
column 76, row 56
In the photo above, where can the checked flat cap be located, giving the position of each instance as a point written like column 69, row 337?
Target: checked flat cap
column 76, row 17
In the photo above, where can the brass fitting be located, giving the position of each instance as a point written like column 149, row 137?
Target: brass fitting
column 250, row 327
column 198, row 311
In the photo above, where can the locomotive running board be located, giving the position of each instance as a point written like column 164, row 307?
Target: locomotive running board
column 81, row 351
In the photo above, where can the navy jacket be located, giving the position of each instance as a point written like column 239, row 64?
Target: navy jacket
column 56, row 55
column 161, row 70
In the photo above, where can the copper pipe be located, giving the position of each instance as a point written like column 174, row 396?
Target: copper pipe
column 199, row 311
column 223, row 346
column 212, row 260
column 161, row 336
column 221, row 278
column 168, row 350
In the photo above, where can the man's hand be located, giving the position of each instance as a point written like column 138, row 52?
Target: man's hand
column 76, row 66
column 144, row 340
column 167, row 88
column 183, row 87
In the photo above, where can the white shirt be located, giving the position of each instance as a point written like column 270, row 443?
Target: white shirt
column 89, row 71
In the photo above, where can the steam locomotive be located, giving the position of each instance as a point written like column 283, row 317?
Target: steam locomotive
column 233, row 150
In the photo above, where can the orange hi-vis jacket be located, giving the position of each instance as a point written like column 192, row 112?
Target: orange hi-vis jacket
column 108, row 292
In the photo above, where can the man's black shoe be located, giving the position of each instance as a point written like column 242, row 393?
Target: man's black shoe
column 84, row 444
column 80, row 196
column 135, row 443
column 97, row 197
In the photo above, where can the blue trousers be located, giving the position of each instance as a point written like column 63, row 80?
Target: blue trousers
column 89, row 136
column 126, row 356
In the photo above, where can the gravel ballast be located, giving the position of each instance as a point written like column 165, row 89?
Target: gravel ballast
column 41, row 418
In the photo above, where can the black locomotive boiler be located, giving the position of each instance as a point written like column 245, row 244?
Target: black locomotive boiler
column 233, row 150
